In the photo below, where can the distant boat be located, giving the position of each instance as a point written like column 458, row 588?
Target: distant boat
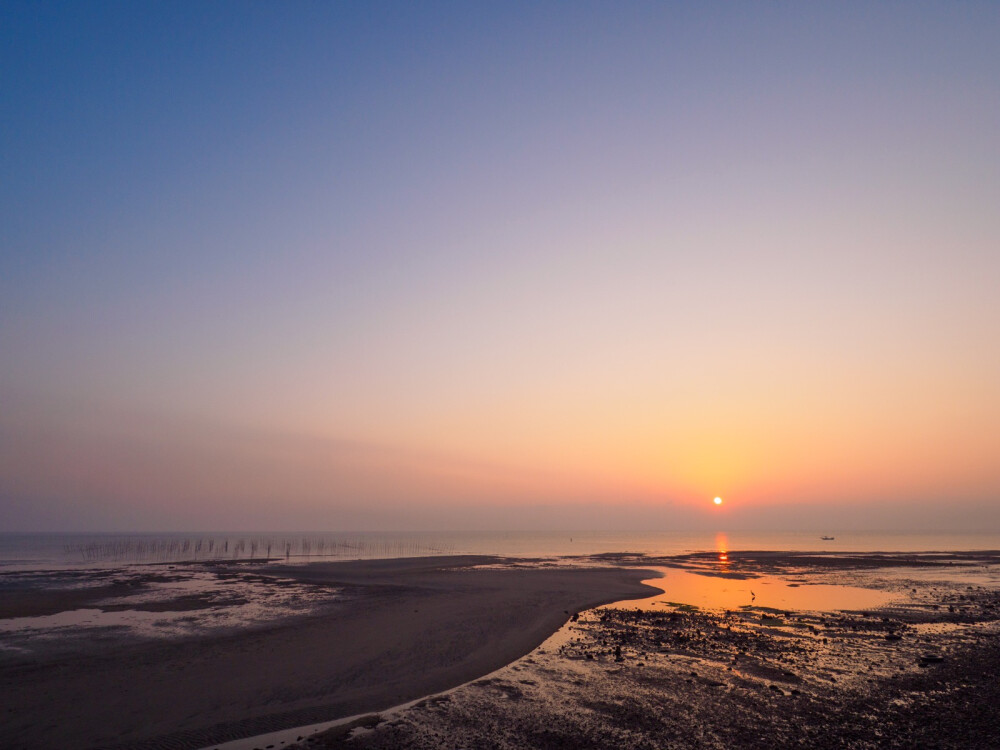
column 827, row 538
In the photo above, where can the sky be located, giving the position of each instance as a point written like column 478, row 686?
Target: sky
column 390, row 266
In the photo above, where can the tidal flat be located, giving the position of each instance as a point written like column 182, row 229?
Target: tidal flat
column 917, row 671
column 701, row 650
column 183, row 657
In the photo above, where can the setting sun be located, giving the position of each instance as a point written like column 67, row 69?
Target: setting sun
column 718, row 501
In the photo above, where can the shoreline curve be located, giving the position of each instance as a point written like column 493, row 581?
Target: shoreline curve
column 402, row 629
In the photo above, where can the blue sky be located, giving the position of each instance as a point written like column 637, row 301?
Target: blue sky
column 627, row 256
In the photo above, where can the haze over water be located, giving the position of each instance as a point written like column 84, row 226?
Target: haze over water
column 410, row 267
column 27, row 552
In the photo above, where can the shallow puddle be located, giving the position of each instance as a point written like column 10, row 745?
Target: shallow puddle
column 716, row 592
column 185, row 603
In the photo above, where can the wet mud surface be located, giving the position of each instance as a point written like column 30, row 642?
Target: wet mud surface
column 313, row 643
column 919, row 672
column 46, row 615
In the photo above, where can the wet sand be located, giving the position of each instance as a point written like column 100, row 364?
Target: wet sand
column 918, row 672
column 394, row 630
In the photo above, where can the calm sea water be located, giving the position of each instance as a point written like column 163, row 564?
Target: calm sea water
column 41, row 551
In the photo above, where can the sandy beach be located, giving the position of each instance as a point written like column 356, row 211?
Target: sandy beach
column 394, row 630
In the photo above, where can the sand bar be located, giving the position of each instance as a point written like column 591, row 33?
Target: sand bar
column 399, row 630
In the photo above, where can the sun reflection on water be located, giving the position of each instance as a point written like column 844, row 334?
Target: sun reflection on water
column 726, row 588
column 722, row 545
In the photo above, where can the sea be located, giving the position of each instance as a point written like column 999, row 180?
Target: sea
column 51, row 551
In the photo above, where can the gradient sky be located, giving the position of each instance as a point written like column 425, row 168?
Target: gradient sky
column 557, row 265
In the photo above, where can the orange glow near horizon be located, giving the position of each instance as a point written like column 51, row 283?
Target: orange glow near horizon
column 512, row 327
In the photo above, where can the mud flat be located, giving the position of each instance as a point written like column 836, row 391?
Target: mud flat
column 375, row 634
column 918, row 671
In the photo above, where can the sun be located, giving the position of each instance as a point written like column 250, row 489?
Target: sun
column 718, row 501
